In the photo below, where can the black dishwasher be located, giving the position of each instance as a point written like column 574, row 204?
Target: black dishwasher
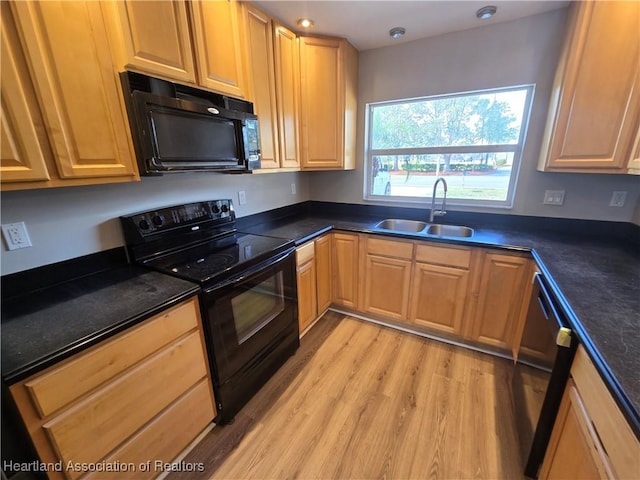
column 540, row 374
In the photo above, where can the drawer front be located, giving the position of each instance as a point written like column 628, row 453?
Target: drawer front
column 616, row 435
column 88, row 370
column 304, row 254
column 165, row 437
column 389, row 248
column 449, row 256
column 95, row 426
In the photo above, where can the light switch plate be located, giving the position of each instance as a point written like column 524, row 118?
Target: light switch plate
column 242, row 197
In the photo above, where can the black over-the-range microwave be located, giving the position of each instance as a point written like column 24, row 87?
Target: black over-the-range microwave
column 176, row 128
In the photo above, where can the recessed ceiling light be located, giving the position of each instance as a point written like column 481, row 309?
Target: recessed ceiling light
column 397, row 32
column 305, row 23
column 486, row 12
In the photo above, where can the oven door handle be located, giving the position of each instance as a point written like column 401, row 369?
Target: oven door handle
column 241, row 277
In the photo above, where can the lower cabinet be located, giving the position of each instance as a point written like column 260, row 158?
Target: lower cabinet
column 501, row 292
column 142, row 395
column 306, row 278
column 344, row 264
column 573, row 453
column 466, row 293
column 590, row 438
column 386, row 277
column 313, row 267
column 322, row 254
column 440, row 288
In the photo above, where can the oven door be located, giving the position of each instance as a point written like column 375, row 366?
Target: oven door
column 249, row 313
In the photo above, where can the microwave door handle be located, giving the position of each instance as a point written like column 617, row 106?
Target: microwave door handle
column 249, row 273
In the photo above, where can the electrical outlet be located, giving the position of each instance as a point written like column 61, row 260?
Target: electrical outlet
column 553, row 197
column 618, row 199
column 242, row 197
column 293, row 189
column 16, row 235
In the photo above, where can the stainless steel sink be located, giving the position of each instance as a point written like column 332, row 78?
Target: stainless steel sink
column 400, row 225
column 449, row 230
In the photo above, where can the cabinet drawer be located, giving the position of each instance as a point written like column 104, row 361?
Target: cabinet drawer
column 63, row 384
column 304, row 253
column 389, row 248
column 164, row 438
column 95, row 426
column 616, row 435
column 449, row 256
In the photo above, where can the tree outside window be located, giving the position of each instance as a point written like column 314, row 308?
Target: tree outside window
column 473, row 139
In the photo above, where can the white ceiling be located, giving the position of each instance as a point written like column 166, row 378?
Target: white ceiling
column 366, row 23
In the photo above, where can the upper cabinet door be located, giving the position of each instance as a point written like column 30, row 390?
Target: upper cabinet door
column 322, row 101
column 156, row 39
column 596, row 102
column 287, row 68
column 78, row 89
column 22, row 155
column 328, row 83
column 262, row 82
column 219, row 46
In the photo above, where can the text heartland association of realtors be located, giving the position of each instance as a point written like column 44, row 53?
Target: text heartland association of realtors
column 157, row 466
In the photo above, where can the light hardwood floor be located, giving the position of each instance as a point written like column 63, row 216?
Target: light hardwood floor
column 363, row 401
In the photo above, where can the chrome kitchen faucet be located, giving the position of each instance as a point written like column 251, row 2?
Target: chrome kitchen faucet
column 440, row 212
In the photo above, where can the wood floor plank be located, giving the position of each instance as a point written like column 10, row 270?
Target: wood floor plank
column 363, row 401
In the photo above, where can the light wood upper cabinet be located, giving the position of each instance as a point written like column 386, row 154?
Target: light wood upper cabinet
column 500, row 292
column 83, row 108
column 441, row 280
column 344, row 269
column 262, row 82
column 155, row 37
column 287, row 65
column 328, row 76
column 23, row 146
column 197, row 42
column 274, row 85
column 595, row 106
column 219, row 46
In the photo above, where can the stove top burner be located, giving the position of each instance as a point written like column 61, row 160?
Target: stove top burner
column 204, row 263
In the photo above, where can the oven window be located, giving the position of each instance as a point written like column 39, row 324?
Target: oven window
column 257, row 306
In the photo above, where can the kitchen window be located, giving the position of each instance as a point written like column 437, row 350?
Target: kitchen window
column 473, row 139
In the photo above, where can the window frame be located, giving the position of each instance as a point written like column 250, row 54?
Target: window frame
column 517, row 150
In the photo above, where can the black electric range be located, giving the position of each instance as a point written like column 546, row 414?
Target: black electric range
column 248, row 300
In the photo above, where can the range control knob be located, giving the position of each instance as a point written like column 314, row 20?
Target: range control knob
column 215, row 209
column 144, row 224
column 225, row 207
column 157, row 220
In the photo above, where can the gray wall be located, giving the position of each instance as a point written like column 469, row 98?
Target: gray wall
column 70, row 222
column 513, row 53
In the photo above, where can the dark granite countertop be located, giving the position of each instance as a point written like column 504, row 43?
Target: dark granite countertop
column 41, row 328
column 596, row 280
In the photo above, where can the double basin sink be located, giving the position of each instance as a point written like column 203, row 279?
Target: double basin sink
column 415, row 226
